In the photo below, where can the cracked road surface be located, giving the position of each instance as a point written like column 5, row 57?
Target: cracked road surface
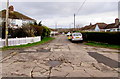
column 60, row 58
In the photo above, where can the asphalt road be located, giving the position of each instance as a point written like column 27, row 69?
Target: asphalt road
column 61, row 58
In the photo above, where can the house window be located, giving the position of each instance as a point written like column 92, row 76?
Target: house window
column 108, row 30
column 118, row 30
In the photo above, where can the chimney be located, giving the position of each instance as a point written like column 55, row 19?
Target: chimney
column 116, row 21
column 90, row 24
column 11, row 9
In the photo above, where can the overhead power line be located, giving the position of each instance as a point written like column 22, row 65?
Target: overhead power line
column 81, row 7
column 77, row 13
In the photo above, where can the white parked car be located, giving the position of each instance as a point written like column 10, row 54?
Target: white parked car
column 76, row 37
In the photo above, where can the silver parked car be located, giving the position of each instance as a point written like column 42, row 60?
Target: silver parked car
column 76, row 37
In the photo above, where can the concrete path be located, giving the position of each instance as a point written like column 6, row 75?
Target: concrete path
column 61, row 58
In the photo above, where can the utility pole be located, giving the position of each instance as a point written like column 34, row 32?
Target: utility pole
column 55, row 28
column 56, row 25
column 6, row 27
column 74, row 21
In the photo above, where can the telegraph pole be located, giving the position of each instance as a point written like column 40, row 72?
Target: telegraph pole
column 6, row 27
column 56, row 25
column 74, row 21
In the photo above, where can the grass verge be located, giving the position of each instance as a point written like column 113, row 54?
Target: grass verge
column 45, row 40
column 103, row 45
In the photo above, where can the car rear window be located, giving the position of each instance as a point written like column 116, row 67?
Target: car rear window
column 77, row 34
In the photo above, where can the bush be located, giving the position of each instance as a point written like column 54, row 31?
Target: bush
column 20, row 32
column 42, row 31
column 38, row 30
column 104, row 37
column 46, row 31
column 27, row 30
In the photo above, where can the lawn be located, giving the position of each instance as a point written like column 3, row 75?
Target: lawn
column 103, row 45
column 45, row 40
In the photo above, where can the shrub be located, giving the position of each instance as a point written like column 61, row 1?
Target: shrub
column 24, row 31
column 46, row 31
column 38, row 30
column 42, row 31
column 19, row 32
column 27, row 30
column 104, row 37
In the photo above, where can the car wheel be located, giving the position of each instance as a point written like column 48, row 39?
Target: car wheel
column 72, row 41
column 81, row 41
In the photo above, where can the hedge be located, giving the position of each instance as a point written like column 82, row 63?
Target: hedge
column 104, row 37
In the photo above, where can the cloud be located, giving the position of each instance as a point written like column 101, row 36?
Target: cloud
column 62, row 12
column 61, row 0
column 67, row 22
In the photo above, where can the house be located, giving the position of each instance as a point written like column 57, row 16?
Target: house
column 100, row 27
column 16, row 19
column 0, row 33
column 54, row 32
column 95, row 28
column 87, row 28
column 103, row 27
column 114, row 27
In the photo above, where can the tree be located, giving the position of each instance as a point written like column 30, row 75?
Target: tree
column 38, row 30
column 35, row 23
column 0, row 31
column 42, row 31
column 39, row 24
column 46, row 32
column 29, row 30
column 19, row 32
column 25, row 31
column 3, row 30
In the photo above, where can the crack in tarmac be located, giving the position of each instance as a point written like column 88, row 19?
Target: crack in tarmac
column 49, row 75
column 52, row 55
column 8, row 57
column 88, row 73
column 95, row 66
column 66, row 74
column 32, row 72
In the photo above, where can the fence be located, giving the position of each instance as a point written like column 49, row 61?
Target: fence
column 19, row 41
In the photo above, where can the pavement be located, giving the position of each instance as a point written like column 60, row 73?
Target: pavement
column 61, row 58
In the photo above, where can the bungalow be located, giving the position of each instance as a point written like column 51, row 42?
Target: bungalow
column 114, row 27
column 99, row 27
column 16, row 19
column 54, row 32
column 103, row 27
column 95, row 28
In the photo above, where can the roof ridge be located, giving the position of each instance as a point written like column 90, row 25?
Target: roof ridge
column 15, row 15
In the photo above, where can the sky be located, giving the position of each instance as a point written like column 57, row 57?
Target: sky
column 60, row 14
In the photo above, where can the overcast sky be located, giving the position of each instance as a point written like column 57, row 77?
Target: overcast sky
column 61, row 13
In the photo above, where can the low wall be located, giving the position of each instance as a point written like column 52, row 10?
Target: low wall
column 19, row 41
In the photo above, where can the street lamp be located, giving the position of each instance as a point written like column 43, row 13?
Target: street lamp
column 6, row 27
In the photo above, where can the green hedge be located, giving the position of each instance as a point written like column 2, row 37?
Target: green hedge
column 104, row 37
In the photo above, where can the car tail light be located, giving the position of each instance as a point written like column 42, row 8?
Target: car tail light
column 72, row 37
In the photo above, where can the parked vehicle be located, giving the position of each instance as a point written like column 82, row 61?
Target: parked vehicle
column 76, row 37
column 68, row 35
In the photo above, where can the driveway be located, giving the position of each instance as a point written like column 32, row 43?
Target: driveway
column 61, row 58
